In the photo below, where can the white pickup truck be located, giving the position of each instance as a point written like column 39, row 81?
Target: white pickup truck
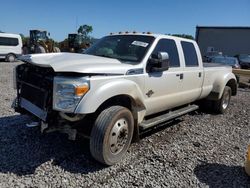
column 120, row 86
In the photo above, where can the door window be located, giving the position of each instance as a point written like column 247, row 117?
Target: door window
column 190, row 55
column 169, row 46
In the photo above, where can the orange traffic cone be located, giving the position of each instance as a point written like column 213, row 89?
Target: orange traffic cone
column 247, row 165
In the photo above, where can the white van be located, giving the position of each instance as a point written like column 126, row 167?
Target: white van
column 10, row 46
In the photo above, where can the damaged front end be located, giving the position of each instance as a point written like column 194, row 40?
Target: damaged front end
column 34, row 91
column 34, row 86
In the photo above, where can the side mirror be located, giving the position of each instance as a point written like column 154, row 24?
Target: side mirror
column 158, row 63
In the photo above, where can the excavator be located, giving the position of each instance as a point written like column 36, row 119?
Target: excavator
column 39, row 42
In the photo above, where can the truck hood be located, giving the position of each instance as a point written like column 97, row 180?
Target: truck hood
column 79, row 63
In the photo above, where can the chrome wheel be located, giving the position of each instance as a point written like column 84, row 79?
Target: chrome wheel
column 118, row 136
column 112, row 134
column 226, row 100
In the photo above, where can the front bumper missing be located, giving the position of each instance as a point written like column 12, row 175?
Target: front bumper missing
column 45, row 128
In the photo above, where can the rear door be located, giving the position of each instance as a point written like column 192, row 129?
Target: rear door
column 192, row 72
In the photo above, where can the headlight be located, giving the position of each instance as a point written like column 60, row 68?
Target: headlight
column 68, row 93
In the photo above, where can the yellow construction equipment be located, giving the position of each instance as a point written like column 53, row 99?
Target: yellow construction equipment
column 247, row 164
column 74, row 43
column 39, row 42
column 242, row 72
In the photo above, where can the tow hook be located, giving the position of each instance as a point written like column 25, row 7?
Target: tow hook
column 32, row 124
column 44, row 126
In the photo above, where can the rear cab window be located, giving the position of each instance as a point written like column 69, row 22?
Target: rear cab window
column 190, row 55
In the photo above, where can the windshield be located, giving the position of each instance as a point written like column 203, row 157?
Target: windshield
column 122, row 47
column 41, row 35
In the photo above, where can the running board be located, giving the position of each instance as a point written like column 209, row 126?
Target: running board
column 166, row 117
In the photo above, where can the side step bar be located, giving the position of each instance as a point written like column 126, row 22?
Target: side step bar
column 166, row 117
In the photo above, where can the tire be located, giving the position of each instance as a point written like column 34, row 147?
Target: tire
column 111, row 135
column 205, row 105
column 221, row 105
column 10, row 58
column 56, row 50
column 39, row 49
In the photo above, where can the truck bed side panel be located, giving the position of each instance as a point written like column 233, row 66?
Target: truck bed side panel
column 215, row 78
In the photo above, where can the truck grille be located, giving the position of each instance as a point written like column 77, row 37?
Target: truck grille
column 34, row 95
column 35, row 84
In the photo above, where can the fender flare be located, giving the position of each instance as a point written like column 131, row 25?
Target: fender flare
column 219, row 85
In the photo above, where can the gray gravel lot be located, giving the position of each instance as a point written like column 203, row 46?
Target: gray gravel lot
column 197, row 150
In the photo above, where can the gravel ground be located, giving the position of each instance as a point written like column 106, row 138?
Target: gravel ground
column 197, row 150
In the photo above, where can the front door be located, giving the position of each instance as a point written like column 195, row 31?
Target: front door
column 163, row 90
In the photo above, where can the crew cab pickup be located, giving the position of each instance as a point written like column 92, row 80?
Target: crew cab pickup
column 121, row 86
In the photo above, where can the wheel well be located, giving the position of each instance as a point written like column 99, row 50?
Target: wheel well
column 233, row 85
column 121, row 100
column 125, row 101
column 11, row 54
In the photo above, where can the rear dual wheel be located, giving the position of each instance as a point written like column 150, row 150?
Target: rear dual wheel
column 111, row 135
column 221, row 105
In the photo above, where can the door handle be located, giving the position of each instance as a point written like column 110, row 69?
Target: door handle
column 180, row 75
column 199, row 74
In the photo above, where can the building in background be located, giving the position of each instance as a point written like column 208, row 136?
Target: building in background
column 228, row 40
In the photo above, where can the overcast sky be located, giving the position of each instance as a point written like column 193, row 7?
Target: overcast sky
column 159, row 16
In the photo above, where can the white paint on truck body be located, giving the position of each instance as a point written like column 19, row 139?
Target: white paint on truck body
column 109, row 78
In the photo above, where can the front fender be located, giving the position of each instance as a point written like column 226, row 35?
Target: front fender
column 99, row 93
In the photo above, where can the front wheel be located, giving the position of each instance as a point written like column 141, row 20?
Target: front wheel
column 221, row 105
column 111, row 135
